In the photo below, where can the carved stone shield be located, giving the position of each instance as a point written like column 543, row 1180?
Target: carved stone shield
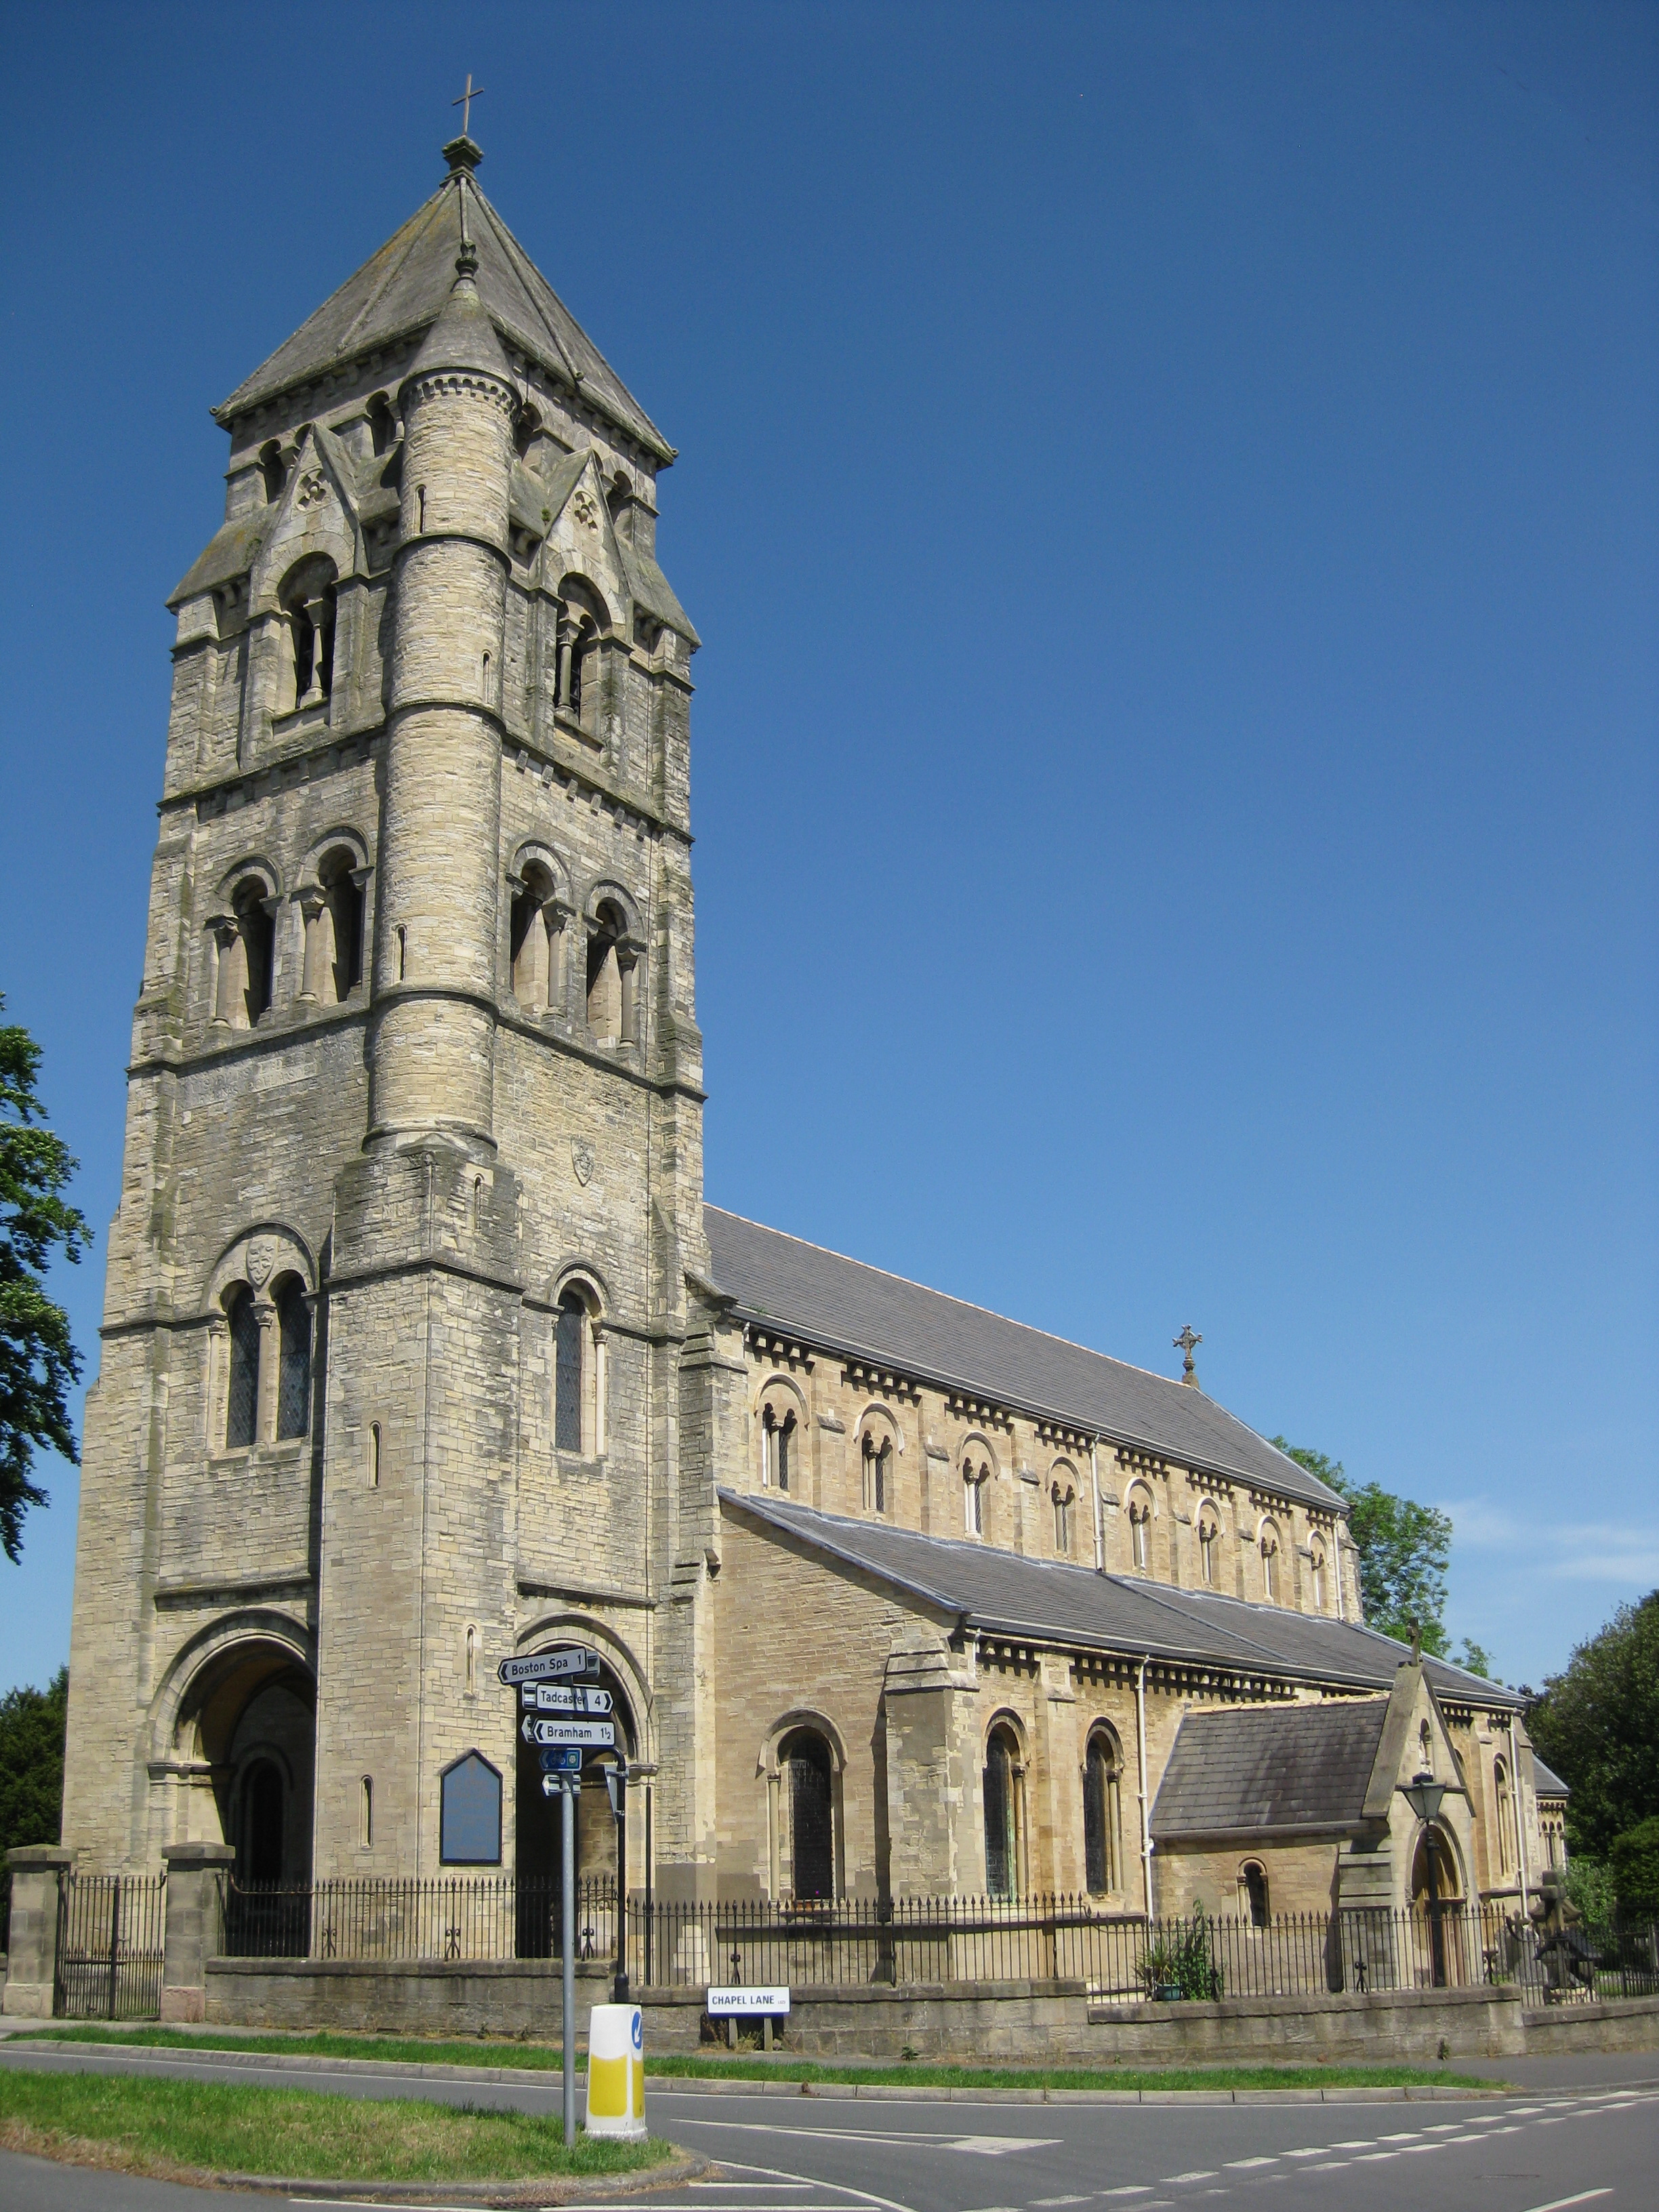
column 581, row 1158
column 261, row 1259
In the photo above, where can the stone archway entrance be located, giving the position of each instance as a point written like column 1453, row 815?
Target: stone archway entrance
column 250, row 1718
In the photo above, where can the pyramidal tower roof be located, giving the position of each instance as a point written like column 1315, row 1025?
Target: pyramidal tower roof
column 402, row 290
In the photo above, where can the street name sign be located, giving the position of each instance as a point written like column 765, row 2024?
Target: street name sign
column 560, row 1698
column 738, row 2002
column 549, row 1665
column 597, row 1734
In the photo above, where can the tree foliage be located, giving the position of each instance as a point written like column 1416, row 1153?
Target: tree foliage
column 1597, row 1724
column 32, row 1724
column 1633, row 1862
column 39, row 1363
column 1404, row 1551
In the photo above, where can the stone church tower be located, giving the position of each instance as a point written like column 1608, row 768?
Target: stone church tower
column 396, row 1333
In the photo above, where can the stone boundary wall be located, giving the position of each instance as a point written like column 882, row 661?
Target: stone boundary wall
column 1009, row 2023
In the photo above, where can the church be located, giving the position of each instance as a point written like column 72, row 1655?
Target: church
column 421, row 1349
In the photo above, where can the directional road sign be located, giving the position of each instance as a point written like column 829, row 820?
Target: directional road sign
column 552, row 1784
column 560, row 1698
column 549, row 1665
column 593, row 1733
column 561, row 1758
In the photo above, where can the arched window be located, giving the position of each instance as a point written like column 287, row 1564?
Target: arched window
column 605, row 969
column 342, row 903
column 307, row 600
column 1102, row 1828
column 382, row 423
column 570, row 1372
column 1317, row 1568
column 246, row 948
column 242, row 1399
column 273, row 470
column 1209, row 1531
column 1253, row 1881
column 1001, row 1782
column 1062, row 1493
column 878, row 1472
column 1140, row 1525
column 1269, row 1545
column 976, row 1474
column 806, row 1760
column 537, row 941
column 1505, row 1817
column 777, row 1445
column 294, row 1376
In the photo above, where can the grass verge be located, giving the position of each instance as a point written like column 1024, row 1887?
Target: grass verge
column 539, row 2057
column 176, row 2128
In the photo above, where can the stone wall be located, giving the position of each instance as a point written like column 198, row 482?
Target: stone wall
column 1009, row 2023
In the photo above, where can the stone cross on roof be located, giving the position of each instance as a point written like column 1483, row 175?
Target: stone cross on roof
column 464, row 103
column 1186, row 1342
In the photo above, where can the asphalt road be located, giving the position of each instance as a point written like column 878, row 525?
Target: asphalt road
column 1596, row 2145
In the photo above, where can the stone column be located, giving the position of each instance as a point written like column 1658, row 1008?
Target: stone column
column 316, row 946
column 270, row 1361
column 194, row 1874
column 32, row 1963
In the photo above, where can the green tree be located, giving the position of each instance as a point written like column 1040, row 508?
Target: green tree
column 1404, row 1551
column 1597, row 1724
column 39, row 1362
column 32, row 1763
column 1633, row 1862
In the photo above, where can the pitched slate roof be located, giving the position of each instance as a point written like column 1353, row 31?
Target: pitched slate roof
column 847, row 1307
column 1046, row 1601
column 1269, row 1769
column 401, row 290
column 1545, row 1782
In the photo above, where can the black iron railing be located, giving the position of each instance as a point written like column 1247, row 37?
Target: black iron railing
column 112, row 1938
column 819, row 1942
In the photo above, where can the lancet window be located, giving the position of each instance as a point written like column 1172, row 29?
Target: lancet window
column 878, row 1472
column 1209, row 1534
column 1000, row 1784
column 308, row 602
column 976, row 1477
column 1268, row 1543
column 247, row 942
column 1140, row 1530
column 1103, row 1850
column 778, row 1431
column 294, row 1373
column 242, row 1397
column 1062, row 1492
column 613, row 977
column 578, row 1374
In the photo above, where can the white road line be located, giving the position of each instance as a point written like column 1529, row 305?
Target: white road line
column 1237, row 2165
column 917, row 2139
column 1203, row 2173
column 1560, row 2203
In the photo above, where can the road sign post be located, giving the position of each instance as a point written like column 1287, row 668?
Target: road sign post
column 568, row 1788
column 615, row 1782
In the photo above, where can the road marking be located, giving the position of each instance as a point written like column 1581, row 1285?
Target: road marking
column 1130, row 2189
column 1063, row 2200
column 1560, row 2203
column 916, row 2139
column 1203, row 2173
column 1236, row 2165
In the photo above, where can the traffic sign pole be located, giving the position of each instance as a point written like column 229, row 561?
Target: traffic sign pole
column 567, row 1945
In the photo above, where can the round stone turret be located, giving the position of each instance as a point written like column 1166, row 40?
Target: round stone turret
column 436, row 950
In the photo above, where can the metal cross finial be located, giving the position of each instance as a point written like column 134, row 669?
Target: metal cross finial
column 1188, row 1342
column 464, row 103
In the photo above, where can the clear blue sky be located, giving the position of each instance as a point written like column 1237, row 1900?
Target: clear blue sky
column 1171, row 497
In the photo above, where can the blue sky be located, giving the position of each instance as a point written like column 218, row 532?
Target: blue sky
column 1170, row 495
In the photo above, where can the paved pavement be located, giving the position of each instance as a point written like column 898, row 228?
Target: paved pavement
column 1594, row 2144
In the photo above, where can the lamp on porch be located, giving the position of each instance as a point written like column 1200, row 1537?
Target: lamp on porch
column 1424, row 1797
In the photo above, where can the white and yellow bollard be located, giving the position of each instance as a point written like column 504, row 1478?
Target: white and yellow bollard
column 615, row 2071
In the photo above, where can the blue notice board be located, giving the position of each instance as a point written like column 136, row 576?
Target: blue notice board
column 470, row 1816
